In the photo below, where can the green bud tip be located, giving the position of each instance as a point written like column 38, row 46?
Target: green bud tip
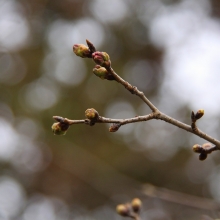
column 59, row 128
column 81, row 50
column 136, row 204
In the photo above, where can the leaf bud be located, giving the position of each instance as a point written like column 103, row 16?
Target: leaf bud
column 136, row 205
column 60, row 128
column 101, row 58
column 193, row 117
column 91, row 114
column 199, row 114
column 123, row 210
column 114, row 127
column 81, row 50
column 197, row 148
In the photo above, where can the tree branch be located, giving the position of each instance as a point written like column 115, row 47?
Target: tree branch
column 104, row 70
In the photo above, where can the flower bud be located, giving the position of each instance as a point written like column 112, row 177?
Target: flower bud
column 202, row 156
column 101, row 72
column 101, row 58
column 91, row 114
column 114, row 127
column 199, row 114
column 197, row 148
column 81, row 50
column 123, row 209
column 136, row 205
column 59, row 128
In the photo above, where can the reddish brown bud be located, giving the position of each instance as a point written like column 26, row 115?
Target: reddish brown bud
column 82, row 50
column 136, row 205
column 199, row 114
column 114, row 127
column 101, row 58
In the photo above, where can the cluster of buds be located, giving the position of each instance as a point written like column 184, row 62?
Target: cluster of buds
column 204, row 150
column 102, row 59
column 130, row 209
column 61, row 126
column 92, row 115
column 195, row 117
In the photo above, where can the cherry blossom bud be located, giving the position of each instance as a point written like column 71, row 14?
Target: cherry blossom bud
column 197, row 148
column 102, row 59
column 101, row 72
column 81, row 50
column 60, row 128
column 199, row 114
column 123, row 210
column 136, row 205
column 91, row 114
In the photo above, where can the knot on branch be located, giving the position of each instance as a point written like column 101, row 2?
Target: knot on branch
column 130, row 209
column 130, row 88
column 204, row 150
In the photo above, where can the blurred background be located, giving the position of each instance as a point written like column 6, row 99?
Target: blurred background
column 169, row 49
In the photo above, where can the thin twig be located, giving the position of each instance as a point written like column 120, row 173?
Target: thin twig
column 132, row 89
column 180, row 198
